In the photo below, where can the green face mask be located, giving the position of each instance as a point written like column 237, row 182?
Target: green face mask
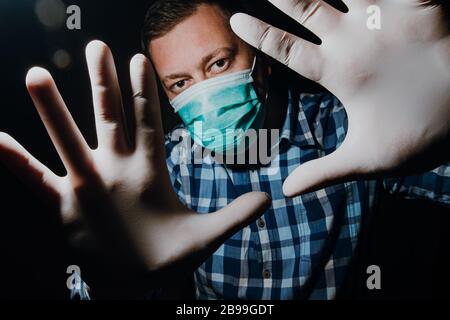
column 219, row 112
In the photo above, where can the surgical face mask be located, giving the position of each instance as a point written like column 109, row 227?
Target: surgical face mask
column 220, row 111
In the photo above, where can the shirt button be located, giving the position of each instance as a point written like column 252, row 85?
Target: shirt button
column 261, row 223
column 266, row 274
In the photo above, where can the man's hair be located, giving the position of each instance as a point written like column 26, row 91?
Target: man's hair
column 164, row 15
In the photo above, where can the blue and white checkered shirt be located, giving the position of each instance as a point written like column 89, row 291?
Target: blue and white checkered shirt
column 302, row 247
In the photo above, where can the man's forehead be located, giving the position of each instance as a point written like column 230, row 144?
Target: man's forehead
column 204, row 32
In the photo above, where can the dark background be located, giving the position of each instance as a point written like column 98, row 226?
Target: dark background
column 409, row 240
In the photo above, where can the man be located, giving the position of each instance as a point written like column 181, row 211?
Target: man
column 301, row 246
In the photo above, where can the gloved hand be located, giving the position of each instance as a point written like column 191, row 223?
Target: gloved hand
column 394, row 82
column 122, row 190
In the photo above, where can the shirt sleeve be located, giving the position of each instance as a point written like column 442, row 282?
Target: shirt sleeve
column 433, row 185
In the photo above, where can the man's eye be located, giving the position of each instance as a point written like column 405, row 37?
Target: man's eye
column 219, row 66
column 180, row 84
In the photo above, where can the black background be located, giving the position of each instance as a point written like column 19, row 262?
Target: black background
column 409, row 240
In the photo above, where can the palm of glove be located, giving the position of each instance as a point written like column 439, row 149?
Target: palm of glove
column 393, row 82
column 121, row 191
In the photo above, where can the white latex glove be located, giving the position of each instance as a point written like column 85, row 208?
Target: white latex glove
column 394, row 83
column 122, row 190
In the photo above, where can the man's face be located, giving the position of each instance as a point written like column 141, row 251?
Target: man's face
column 201, row 47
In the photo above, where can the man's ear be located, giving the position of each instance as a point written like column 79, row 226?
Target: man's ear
column 268, row 62
column 263, row 71
column 265, row 64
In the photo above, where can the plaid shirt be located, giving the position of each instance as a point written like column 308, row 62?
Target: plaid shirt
column 301, row 247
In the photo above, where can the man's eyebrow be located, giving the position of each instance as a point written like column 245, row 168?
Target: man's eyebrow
column 176, row 76
column 206, row 59
column 209, row 57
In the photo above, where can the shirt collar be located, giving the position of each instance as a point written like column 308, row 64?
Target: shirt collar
column 297, row 126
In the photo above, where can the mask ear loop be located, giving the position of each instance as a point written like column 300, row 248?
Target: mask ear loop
column 251, row 74
column 253, row 66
